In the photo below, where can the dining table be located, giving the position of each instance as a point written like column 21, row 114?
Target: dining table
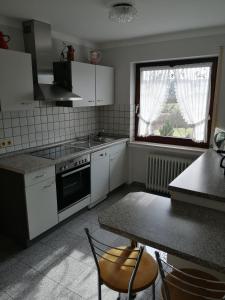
column 188, row 231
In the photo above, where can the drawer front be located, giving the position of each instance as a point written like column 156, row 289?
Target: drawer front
column 40, row 175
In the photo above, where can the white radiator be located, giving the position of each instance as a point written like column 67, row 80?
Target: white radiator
column 161, row 170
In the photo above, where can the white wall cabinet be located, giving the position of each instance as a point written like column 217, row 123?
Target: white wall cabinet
column 104, row 77
column 41, row 203
column 94, row 83
column 83, row 82
column 16, row 92
column 117, row 166
column 99, row 175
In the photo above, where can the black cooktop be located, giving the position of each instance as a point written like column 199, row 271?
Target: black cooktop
column 57, row 151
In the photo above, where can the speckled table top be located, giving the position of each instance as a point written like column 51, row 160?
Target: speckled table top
column 191, row 232
column 203, row 177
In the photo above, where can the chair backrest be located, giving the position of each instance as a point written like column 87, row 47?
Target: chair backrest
column 99, row 249
column 189, row 284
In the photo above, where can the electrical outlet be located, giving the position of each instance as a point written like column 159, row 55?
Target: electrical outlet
column 5, row 143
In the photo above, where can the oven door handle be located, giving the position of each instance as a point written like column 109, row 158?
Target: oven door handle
column 75, row 171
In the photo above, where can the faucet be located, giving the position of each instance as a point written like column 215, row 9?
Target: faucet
column 101, row 133
column 90, row 137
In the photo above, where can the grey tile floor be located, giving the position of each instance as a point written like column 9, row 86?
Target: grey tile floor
column 60, row 265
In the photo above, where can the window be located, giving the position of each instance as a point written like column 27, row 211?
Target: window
column 174, row 101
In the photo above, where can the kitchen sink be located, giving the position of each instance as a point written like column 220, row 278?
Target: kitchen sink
column 92, row 142
column 104, row 139
column 85, row 144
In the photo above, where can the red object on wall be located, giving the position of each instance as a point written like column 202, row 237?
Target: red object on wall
column 3, row 41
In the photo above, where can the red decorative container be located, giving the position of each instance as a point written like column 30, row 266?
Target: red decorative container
column 4, row 39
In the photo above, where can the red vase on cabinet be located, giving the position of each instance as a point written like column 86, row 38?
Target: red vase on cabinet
column 4, row 39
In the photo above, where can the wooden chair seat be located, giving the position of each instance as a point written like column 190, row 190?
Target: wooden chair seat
column 116, row 275
column 179, row 293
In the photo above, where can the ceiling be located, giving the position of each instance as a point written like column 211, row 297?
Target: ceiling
column 88, row 19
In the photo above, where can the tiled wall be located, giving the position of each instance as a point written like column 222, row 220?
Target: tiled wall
column 46, row 124
column 115, row 119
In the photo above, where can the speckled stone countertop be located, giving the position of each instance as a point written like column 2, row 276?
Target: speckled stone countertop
column 203, row 177
column 26, row 163
column 184, row 230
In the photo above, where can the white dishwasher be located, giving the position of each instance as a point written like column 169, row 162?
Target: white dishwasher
column 99, row 176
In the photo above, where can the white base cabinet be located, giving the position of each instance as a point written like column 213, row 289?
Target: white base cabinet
column 108, row 171
column 41, row 205
column 117, row 166
column 99, row 175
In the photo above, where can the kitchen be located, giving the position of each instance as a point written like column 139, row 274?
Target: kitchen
column 73, row 155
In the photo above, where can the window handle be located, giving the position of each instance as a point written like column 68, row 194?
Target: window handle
column 137, row 108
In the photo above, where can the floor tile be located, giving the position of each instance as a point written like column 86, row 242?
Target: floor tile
column 66, row 272
column 43, row 288
column 82, row 252
column 41, row 256
column 62, row 241
column 4, row 296
column 86, row 284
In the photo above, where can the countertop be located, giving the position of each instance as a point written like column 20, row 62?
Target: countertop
column 26, row 163
column 203, row 177
column 191, row 232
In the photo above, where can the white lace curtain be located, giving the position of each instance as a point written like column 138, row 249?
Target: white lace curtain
column 192, row 85
column 193, row 88
column 154, row 88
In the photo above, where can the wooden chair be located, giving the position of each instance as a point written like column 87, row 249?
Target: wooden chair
column 188, row 284
column 123, row 269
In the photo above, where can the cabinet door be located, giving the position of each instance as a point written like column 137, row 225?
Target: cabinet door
column 16, row 81
column 99, row 175
column 83, row 82
column 117, row 167
column 41, row 204
column 104, row 85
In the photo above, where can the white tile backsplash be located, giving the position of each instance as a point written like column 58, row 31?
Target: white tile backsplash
column 115, row 119
column 46, row 124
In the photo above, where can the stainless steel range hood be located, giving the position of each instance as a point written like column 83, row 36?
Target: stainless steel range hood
column 38, row 42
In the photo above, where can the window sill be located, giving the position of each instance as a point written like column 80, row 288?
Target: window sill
column 149, row 145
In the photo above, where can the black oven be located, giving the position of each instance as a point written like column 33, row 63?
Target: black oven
column 73, row 182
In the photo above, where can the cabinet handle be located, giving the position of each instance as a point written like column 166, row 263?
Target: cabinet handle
column 91, row 101
column 101, row 154
column 48, row 186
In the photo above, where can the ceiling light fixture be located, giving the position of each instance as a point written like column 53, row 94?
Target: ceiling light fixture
column 122, row 12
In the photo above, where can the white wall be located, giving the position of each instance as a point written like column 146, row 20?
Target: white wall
column 13, row 28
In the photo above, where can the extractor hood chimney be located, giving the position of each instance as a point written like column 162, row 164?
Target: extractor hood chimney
column 38, row 42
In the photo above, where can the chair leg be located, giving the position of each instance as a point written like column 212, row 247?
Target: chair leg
column 153, row 291
column 131, row 296
column 99, row 289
